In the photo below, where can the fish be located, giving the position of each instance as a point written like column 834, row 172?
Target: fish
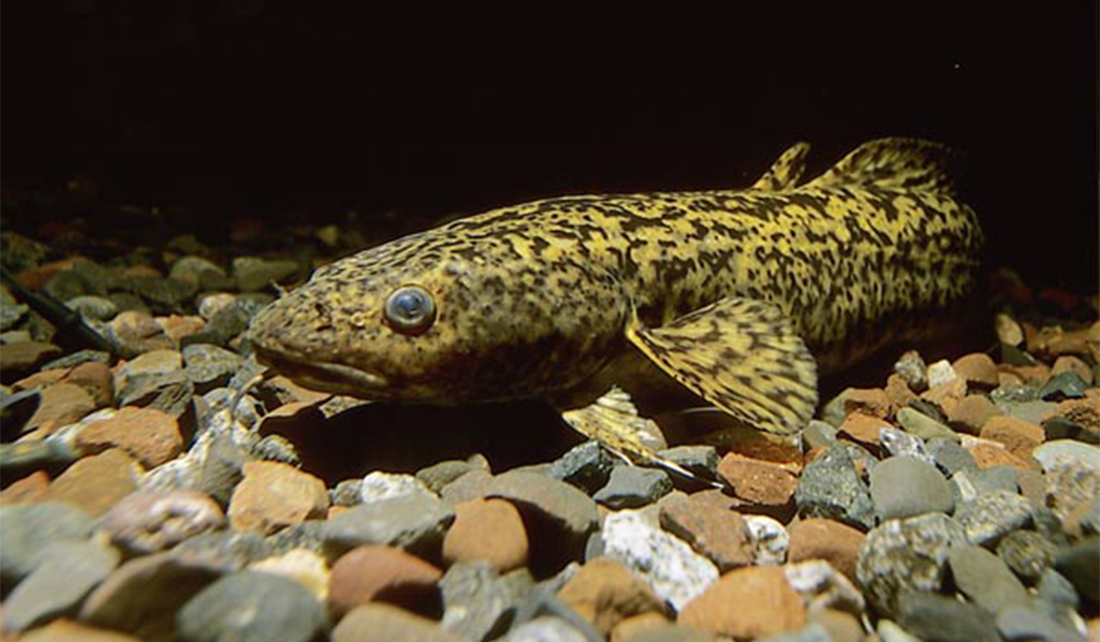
column 737, row 298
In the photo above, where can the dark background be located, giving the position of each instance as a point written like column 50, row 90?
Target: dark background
column 291, row 113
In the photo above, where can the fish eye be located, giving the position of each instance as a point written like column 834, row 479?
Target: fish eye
column 410, row 310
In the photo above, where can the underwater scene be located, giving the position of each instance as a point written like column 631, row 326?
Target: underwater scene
column 782, row 325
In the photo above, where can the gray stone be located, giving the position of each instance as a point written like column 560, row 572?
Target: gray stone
column 253, row 273
column 1054, row 453
column 78, row 358
column 944, row 619
column 437, row 476
column 699, row 460
column 676, row 573
column 415, row 522
column 831, row 488
column 823, row 587
column 1029, row 411
column 28, row 530
column 209, row 366
column 633, row 487
column 146, row 522
column 1027, row 553
column 142, row 596
column 950, row 456
column 346, row 493
column 378, row 486
column 198, row 272
column 929, row 409
column 164, row 296
column 231, row 550
column 586, row 466
column 157, row 380
column 1080, row 564
column 923, row 426
column 1064, row 385
column 472, row 485
column 1023, row 622
column 812, row 632
column 10, row 314
column 993, row 515
column 1003, row 478
column 477, row 603
column 308, row 535
column 93, row 307
column 906, row 555
column 69, row 571
column 1057, row 591
column 819, row 434
column 252, row 607
column 905, row 487
column 913, row 370
column 902, row 444
column 573, row 512
column 984, row 578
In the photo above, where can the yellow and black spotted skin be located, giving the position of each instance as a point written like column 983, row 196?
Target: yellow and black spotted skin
column 741, row 297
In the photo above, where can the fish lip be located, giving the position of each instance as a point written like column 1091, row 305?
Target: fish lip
column 322, row 375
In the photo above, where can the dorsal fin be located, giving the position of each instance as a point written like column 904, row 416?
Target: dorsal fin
column 908, row 163
column 785, row 171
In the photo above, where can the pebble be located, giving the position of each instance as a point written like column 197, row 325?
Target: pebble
column 903, row 444
column 1019, row 437
column 20, row 358
column 1080, row 564
column 978, row 369
column 209, row 366
column 1072, row 494
column 825, row 539
column 923, row 426
column 984, row 578
column 1031, row 411
column 1064, row 385
column 823, row 587
column 871, row 402
column 378, row 486
column 252, row 607
column 633, row 487
column 60, row 404
column 478, row 603
column 1082, row 415
column 696, row 459
column 941, row 372
column 386, row 623
column 69, row 631
column 379, row 574
column 146, row 522
column 605, row 593
column 944, row 397
column 68, row 572
column 96, row 378
column 712, row 530
column 1023, row 622
column 863, row 429
column 831, row 488
column 913, row 370
column 547, row 628
column 674, row 572
column 162, row 295
column 770, row 541
column 818, row 434
column 197, row 272
column 412, row 522
column 136, row 332
column 1057, row 452
column 150, row 436
column 305, row 567
column 767, row 605
column 993, row 515
column 971, row 413
column 945, row 619
column 586, row 466
column 28, row 530
column 905, row 487
column 93, row 307
column 898, row 392
column 156, row 380
column 273, row 496
column 487, row 529
column 900, row 556
column 437, row 476
column 253, row 273
column 142, row 596
column 98, row 482
column 228, row 549
column 760, row 482
column 568, row 511
column 1027, row 553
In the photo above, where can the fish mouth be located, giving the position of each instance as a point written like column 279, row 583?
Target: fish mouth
column 323, row 376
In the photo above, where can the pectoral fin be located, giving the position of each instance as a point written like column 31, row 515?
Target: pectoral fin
column 741, row 355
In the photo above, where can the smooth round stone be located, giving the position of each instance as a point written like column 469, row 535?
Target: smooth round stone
column 605, row 593
column 232, row 550
column 437, row 476
column 905, row 487
column 906, row 555
column 1027, row 553
column 252, row 273
column 252, row 607
column 1022, row 622
column 1080, row 564
column 1053, row 453
column 490, row 530
column 938, row 617
column 413, row 522
column 70, row 570
column 950, row 456
column 923, row 426
column 28, row 530
column 559, row 515
column 478, row 602
column 633, row 487
column 150, row 522
column 386, row 623
column 209, row 366
column 985, row 579
column 379, row 574
column 93, row 307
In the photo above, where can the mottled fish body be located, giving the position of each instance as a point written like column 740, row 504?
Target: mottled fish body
column 738, row 296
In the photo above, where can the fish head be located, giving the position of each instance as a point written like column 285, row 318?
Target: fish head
column 411, row 322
